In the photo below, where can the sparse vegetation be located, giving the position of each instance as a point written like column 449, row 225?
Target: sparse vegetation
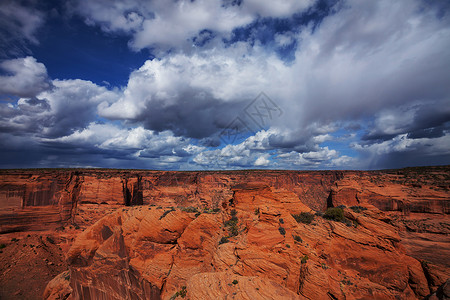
column 166, row 213
column 67, row 275
column 288, row 246
column 223, row 240
column 324, row 266
column 337, row 214
column 281, row 221
column 235, row 282
column 2, row 246
column 358, row 209
column 334, row 214
column 282, row 230
column 347, row 282
column 182, row 293
column 304, row 217
column 190, row 209
column 304, row 259
column 232, row 223
column 297, row 238
column 257, row 211
column 14, row 240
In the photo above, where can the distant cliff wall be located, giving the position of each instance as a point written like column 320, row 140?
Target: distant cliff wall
column 43, row 199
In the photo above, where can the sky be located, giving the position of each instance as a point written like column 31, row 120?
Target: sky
column 230, row 84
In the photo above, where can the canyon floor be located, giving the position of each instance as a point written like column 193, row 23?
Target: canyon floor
column 252, row 234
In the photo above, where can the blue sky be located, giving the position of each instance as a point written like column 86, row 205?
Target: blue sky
column 196, row 85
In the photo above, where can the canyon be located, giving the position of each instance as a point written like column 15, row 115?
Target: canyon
column 250, row 234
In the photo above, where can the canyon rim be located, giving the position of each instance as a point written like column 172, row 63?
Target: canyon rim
column 250, row 234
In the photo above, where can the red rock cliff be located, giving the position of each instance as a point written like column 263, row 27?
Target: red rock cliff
column 212, row 234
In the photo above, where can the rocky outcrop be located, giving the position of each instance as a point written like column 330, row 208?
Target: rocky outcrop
column 251, row 244
column 416, row 190
column 153, row 234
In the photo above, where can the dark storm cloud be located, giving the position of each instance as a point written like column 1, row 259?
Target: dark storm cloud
column 428, row 120
column 190, row 116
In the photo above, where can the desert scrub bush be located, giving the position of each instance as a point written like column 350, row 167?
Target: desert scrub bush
column 223, row 240
column 190, row 209
column 208, row 210
column 347, row 282
column 235, row 282
column 182, row 293
column 281, row 221
column 282, row 230
column 2, row 246
column 257, row 211
column 232, row 224
column 304, row 259
column 304, row 217
column 334, row 214
column 297, row 238
column 358, row 209
column 166, row 213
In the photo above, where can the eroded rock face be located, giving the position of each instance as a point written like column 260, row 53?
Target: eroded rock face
column 135, row 241
column 154, row 253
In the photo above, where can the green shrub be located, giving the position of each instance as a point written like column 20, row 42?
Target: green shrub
column 232, row 221
column 334, row 214
column 190, row 209
column 233, row 212
column 304, row 217
column 282, row 230
column 232, row 225
column 182, row 293
column 235, row 281
column 281, row 221
column 223, row 240
column 257, row 211
column 2, row 246
column 288, row 246
column 297, row 238
column 358, row 209
column 347, row 282
column 166, row 213
column 304, row 259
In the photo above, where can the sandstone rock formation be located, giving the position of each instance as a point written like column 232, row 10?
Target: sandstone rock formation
column 232, row 234
column 146, row 252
